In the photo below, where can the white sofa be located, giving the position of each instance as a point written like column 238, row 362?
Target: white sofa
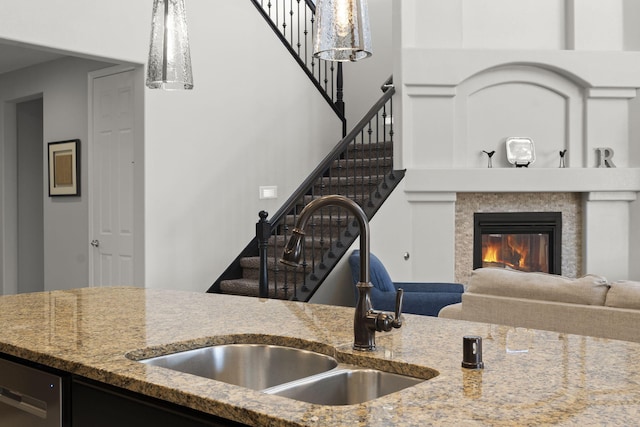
column 588, row 305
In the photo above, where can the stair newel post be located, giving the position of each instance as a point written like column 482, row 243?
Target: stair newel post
column 263, row 231
column 340, row 97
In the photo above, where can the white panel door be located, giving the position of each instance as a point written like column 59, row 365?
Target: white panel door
column 112, row 180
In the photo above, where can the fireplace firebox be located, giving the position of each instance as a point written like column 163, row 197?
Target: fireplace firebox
column 526, row 241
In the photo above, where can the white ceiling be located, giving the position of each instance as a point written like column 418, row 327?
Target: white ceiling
column 14, row 57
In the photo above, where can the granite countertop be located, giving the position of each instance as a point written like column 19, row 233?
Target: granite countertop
column 530, row 377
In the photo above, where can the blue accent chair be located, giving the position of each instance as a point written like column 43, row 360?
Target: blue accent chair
column 419, row 298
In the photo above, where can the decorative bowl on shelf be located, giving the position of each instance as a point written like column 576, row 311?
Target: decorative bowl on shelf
column 520, row 151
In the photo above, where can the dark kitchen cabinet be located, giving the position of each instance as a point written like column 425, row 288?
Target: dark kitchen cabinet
column 99, row 405
column 84, row 403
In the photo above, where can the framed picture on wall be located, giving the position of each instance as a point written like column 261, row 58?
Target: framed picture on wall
column 64, row 168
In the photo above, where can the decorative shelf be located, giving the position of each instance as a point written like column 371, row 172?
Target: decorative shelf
column 581, row 180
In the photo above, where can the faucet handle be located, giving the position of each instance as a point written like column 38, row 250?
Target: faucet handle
column 382, row 321
column 397, row 321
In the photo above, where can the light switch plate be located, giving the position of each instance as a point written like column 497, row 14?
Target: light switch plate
column 269, row 192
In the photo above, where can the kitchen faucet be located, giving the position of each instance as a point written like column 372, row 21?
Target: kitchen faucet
column 366, row 320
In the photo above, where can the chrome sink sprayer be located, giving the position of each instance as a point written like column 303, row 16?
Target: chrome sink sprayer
column 366, row 320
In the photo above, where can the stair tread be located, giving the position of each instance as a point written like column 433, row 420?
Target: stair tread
column 335, row 219
column 373, row 179
column 364, row 160
column 248, row 287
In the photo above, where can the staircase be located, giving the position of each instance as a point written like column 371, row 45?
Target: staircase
column 359, row 167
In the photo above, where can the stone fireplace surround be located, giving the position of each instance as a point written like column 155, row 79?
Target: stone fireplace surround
column 569, row 204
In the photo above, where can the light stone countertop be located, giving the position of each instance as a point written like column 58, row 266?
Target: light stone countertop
column 554, row 379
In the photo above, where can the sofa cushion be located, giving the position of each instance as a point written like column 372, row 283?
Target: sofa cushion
column 624, row 294
column 590, row 289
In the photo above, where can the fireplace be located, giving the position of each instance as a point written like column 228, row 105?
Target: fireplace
column 526, row 241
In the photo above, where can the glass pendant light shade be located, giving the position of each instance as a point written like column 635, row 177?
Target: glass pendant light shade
column 342, row 31
column 169, row 64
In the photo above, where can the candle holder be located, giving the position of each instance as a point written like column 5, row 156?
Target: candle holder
column 489, row 155
column 562, row 163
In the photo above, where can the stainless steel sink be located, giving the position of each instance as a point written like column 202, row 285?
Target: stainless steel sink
column 254, row 366
column 289, row 372
column 345, row 386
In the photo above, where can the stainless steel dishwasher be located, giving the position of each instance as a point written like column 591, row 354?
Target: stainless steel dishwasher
column 29, row 397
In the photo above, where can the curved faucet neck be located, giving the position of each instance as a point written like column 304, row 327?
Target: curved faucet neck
column 358, row 213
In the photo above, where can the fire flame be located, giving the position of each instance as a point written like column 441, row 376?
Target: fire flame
column 507, row 250
column 490, row 254
column 520, row 248
column 525, row 252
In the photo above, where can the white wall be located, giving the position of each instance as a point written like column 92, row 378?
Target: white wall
column 115, row 29
column 30, row 196
column 634, row 239
column 634, row 154
column 252, row 119
column 362, row 79
column 542, row 56
column 632, row 42
column 63, row 87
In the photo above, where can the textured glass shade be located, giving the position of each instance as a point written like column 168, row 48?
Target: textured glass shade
column 169, row 64
column 342, row 31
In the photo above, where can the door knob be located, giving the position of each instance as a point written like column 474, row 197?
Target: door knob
column 95, row 243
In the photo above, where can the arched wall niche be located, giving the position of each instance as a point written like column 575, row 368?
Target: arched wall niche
column 519, row 100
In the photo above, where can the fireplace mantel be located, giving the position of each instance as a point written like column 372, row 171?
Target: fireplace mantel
column 570, row 180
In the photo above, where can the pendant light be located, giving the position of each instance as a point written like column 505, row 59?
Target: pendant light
column 169, row 64
column 342, row 31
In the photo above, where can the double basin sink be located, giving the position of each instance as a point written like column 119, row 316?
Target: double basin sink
column 286, row 371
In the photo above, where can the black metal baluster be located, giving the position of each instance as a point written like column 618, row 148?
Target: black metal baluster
column 263, row 231
column 339, row 97
column 313, row 37
column 298, row 44
column 274, row 256
column 379, row 170
column 384, row 139
column 286, row 270
column 312, row 246
column 331, row 87
column 363, row 190
column 321, row 67
column 379, row 166
column 392, row 176
column 336, row 218
column 305, row 266
column 305, row 260
column 352, row 150
column 326, row 78
column 368, row 167
column 306, row 35
column 284, row 18
column 291, row 13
